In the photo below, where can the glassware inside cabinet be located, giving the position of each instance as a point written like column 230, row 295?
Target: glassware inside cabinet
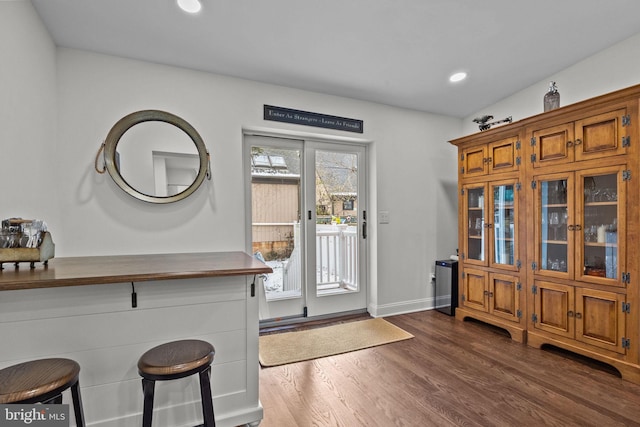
column 554, row 217
column 600, row 239
column 476, row 223
column 503, row 224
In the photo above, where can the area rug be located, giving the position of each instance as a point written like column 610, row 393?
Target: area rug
column 290, row 347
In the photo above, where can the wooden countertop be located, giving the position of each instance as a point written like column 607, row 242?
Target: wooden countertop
column 95, row 270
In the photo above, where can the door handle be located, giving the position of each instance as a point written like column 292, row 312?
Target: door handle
column 364, row 229
column 309, row 215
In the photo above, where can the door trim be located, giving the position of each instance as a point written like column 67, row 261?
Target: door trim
column 260, row 131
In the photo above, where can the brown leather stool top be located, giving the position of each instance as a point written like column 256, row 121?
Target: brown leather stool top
column 173, row 360
column 42, row 380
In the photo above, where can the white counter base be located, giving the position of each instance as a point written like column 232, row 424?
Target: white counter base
column 97, row 326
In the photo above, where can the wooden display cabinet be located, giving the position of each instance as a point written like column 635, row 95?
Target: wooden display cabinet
column 490, row 264
column 573, row 279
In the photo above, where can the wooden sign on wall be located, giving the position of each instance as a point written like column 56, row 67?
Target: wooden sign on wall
column 306, row 118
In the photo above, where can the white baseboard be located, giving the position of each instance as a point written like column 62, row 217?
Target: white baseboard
column 190, row 413
column 401, row 307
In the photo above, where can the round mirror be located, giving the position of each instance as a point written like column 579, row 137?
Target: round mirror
column 156, row 156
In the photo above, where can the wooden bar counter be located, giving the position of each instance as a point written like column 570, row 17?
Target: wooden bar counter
column 128, row 268
column 84, row 308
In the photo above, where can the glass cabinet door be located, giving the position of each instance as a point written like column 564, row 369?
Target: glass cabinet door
column 474, row 217
column 601, row 204
column 554, row 243
column 503, row 228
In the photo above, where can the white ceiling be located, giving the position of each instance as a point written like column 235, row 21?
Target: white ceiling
column 396, row 52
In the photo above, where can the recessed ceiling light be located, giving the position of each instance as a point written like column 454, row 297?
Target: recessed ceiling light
column 190, row 6
column 457, row 77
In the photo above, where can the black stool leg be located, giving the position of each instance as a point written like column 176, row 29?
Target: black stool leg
column 148, row 388
column 55, row 400
column 77, row 404
column 207, row 400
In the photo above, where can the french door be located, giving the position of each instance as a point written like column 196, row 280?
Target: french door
column 307, row 211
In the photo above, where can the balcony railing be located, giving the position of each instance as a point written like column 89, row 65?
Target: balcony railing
column 336, row 256
column 336, row 259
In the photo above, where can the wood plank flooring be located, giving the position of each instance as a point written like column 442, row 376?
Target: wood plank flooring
column 452, row 373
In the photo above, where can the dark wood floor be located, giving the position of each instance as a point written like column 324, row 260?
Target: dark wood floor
column 452, row 373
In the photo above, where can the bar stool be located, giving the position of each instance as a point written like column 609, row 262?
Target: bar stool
column 42, row 381
column 173, row 360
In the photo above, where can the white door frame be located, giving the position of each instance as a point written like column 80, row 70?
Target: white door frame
column 319, row 303
column 266, row 313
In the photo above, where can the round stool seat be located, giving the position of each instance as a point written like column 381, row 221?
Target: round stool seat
column 176, row 359
column 33, row 379
column 173, row 360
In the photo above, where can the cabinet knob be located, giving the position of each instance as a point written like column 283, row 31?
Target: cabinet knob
column 569, row 143
column 578, row 142
column 578, row 315
column 570, row 313
column 571, row 227
column 578, row 227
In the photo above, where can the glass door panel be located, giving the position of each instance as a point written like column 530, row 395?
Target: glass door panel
column 475, row 219
column 504, row 231
column 554, row 244
column 336, row 226
column 275, row 178
column 603, row 223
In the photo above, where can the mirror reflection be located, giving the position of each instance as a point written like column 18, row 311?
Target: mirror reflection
column 157, row 159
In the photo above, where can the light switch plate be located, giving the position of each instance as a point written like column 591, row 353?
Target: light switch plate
column 383, row 217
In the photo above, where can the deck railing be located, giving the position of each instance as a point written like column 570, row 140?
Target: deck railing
column 336, row 258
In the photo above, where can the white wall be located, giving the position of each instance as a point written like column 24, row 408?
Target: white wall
column 611, row 69
column 28, row 134
column 51, row 172
column 411, row 169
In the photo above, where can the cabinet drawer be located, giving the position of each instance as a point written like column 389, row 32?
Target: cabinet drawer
column 553, row 308
column 599, row 320
column 504, row 296
column 594, row 137
column 474, row 289
column 600, row 136
column 474, row 161
column 586, row 315
column 553, row 145
column 503, row 155
column 494, row 293
column 495, row 157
